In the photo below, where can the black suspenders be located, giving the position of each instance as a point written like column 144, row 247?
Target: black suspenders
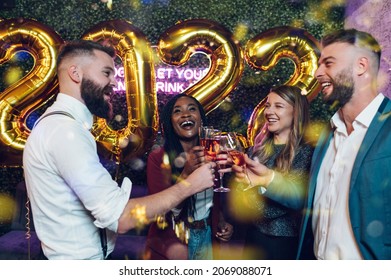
column 54, row 113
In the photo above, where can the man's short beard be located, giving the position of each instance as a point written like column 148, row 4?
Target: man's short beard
column 93, row 96
column 343, row 89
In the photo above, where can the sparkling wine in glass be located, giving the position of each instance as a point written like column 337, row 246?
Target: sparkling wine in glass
column 222, row 148
column 236, row 153
column 205, row 133
column 209, row 139
column 237, row 157
column 211, row 148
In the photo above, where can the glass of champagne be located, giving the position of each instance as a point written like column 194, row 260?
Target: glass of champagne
column 236, row 152
column 209, row 139
column 222, row 149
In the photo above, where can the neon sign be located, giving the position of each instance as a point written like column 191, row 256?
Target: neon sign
column 169, row 80
column 172, row 79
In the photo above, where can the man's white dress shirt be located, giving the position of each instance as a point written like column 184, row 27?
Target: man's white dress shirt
column 333, row 234
column 71, row 193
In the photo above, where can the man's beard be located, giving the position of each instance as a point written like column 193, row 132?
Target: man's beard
column 343, row 88
column 93, row 96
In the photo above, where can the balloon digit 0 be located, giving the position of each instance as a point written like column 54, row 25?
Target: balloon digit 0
column 136, row 54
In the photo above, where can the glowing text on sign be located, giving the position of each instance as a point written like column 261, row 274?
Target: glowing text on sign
column 169, row 80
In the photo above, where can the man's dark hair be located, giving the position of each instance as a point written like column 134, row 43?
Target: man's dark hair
column 356, row 38
column 82, row 47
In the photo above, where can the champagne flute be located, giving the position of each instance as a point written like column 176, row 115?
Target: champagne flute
column 222, row 148
column 210, row 141
column 205, row 133
column 236, row 153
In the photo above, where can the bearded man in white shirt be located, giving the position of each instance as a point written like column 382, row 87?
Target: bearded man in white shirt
column 73, row 197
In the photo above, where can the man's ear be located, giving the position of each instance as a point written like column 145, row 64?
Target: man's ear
column 362, row 65
column 74, row 73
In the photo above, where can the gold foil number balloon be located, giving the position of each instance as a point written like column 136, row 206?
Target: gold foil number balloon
column 32, row 90
column 136, row 54
column 179, row 42
column 175, row 47
column 265, row 50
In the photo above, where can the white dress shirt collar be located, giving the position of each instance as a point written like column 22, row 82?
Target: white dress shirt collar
column 73, row 106
column 364, row 118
